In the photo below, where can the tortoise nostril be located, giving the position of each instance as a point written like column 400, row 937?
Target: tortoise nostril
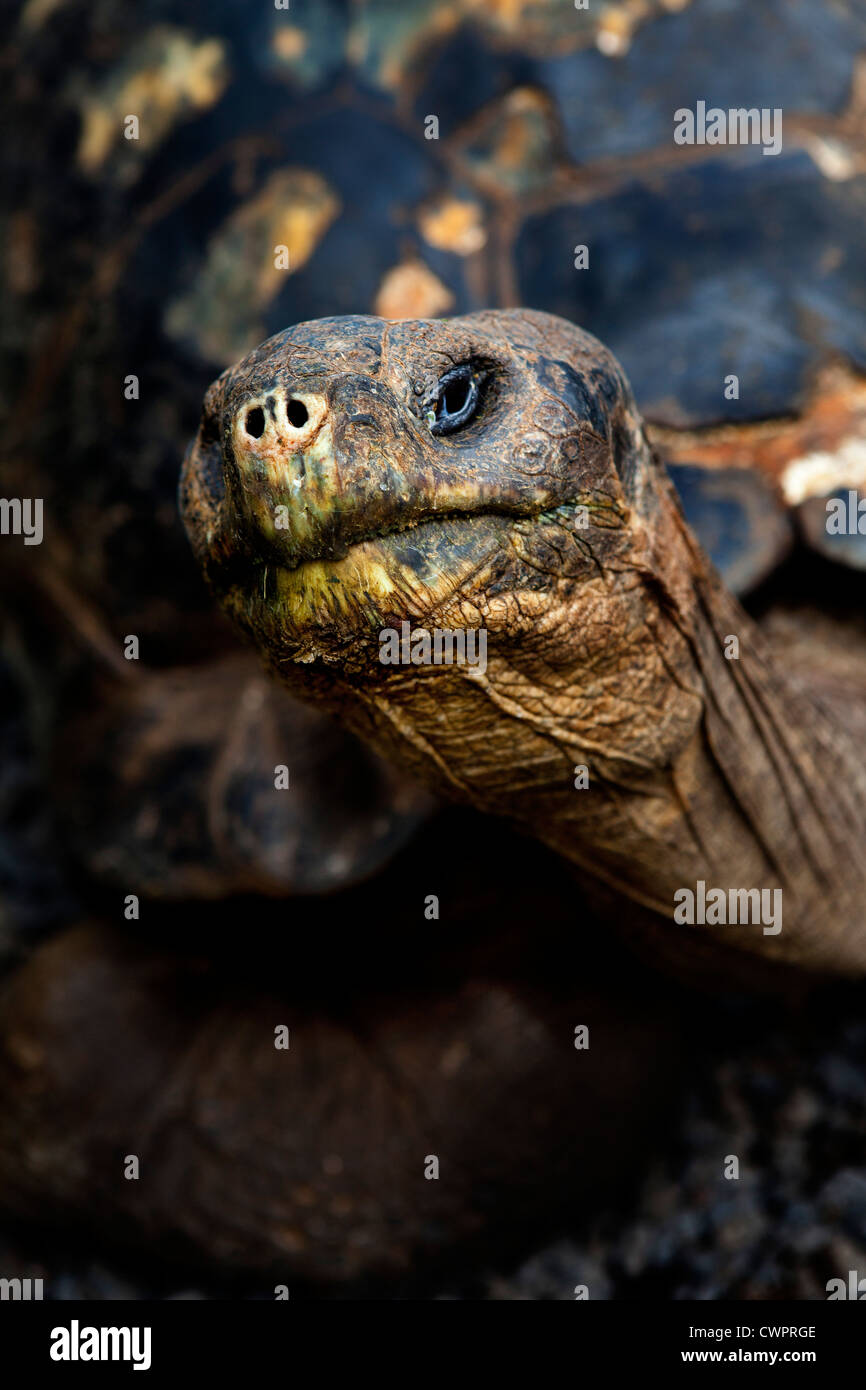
column 297, row 413
column 255, row 422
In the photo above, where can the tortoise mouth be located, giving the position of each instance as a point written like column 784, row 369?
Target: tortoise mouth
column 342, row 547
column 454, row 563
column 410, row 572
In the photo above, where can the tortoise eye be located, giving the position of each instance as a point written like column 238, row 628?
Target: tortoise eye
column 455, row 401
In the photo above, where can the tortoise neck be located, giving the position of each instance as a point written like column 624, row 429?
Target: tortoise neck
column 686, row 771
column 751, row 834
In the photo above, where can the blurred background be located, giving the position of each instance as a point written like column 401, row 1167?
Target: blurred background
column 417, row 159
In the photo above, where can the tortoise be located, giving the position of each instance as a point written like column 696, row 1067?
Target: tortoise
column 492, row 473
column 135, row 274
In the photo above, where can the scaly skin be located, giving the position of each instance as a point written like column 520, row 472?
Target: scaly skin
column 606, row 643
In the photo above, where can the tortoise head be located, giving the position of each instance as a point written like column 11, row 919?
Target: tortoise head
column 352, row 475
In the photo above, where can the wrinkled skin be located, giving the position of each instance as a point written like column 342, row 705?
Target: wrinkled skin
column 606, row 642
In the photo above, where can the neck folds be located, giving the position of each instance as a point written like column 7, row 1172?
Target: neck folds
column 646, row 733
